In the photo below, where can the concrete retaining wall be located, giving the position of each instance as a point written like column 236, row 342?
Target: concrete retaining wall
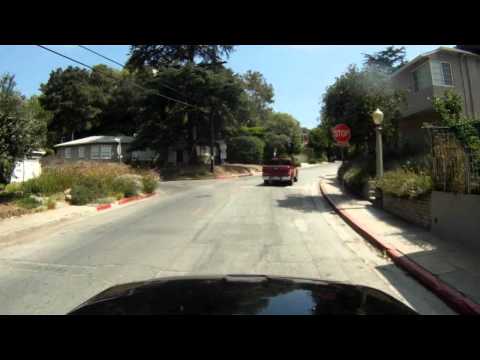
column 416, row 211
column 456, row 217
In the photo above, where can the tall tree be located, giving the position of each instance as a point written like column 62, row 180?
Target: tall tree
column 283, row 133
column 352, row 99
column 215, row 95
column 259, row 97
column 73, row 101
column 387, row 60
column 20, row 130
column 166, row 55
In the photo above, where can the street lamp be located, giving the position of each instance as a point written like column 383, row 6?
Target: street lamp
column 377, row 117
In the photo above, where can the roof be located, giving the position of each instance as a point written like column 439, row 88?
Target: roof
column 428, row 54
column 101, row 139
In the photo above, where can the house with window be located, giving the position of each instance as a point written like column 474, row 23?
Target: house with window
column 101, row 148
column 431, row 74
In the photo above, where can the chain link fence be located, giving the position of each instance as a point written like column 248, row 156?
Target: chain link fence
column 455, row 168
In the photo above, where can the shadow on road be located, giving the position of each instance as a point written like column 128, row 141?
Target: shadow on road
column 303, row 203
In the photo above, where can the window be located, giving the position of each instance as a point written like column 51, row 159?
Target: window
column 68, row 153
column 442, row 73
column 95, row 152
column 81, row 152
column 106, row 151
column 421, row 78
column 447, row 74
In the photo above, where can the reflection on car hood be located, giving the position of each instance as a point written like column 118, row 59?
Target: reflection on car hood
column 241, row 294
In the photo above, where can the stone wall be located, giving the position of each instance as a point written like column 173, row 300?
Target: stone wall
column 416, row 211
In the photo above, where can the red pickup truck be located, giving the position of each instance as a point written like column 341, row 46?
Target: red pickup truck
column 283, row 170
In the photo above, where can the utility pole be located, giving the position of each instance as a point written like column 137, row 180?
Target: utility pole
column 212, row 140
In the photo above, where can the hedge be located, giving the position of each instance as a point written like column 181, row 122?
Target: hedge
column 246, row 150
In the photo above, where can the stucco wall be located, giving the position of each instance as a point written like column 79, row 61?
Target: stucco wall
column 456, row 217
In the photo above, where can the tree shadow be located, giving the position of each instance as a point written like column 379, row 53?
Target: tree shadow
column 303, row 203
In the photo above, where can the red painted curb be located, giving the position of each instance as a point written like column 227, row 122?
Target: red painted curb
column 451, row 296
column 129, row 199
column 103, row 207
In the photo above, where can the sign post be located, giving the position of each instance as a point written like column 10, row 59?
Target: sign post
column 342, row 135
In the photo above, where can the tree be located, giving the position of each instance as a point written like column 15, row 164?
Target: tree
column 166, row 55
column 73, row 101
column 39, row 118
column 20, row 130
column 320, row 140
column 387, row 60
column 352, row 99
column 246, row 149
column 259, row 97
column 283, row 133
column 214, row 95
column 121, row 112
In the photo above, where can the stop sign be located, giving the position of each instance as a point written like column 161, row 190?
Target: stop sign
column 341, row 133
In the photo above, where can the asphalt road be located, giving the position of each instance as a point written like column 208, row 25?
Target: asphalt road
column 233, row 226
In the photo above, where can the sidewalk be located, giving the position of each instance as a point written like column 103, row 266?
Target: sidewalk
column 12, row 228
column 451, row 271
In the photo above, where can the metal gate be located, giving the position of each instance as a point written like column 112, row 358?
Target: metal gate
column 455, row 168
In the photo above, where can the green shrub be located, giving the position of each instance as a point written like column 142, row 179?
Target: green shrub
column 355, row 179
column 149, row 184
column 405, row 183
column 28, row 203
column 2, row 187
column 82, row 194
column 106, row 200
column 129, row 185
column 355, row 174
column 117, row 195
column 13, row 188
column 246, row 150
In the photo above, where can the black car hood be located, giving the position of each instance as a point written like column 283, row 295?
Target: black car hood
column 242, row 295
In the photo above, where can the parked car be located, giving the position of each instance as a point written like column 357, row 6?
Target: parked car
column 280, row 170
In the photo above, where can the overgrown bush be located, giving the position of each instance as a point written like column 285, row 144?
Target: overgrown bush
column 405, row 183
column 128, row 184
column 82, row 194
column 246, row 150
column 149, row 184
column 355, row 174
column 28, row 203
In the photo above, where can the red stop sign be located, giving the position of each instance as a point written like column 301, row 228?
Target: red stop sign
column 341, row 133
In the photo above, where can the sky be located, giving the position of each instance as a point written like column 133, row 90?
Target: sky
column 299, row 74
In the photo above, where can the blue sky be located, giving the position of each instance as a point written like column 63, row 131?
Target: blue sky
column 298, row 73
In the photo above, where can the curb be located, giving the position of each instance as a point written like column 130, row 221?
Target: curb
column 221, row 177
column 448, row 294
column 104, row 207
column 125, row 201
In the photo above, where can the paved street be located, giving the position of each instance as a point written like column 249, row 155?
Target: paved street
column 198, row 227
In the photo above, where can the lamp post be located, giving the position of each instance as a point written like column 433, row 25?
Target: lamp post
column 377, row 117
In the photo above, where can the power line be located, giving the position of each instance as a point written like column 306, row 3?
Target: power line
column 106, row 74
column 123, row 66
column 103, row 56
